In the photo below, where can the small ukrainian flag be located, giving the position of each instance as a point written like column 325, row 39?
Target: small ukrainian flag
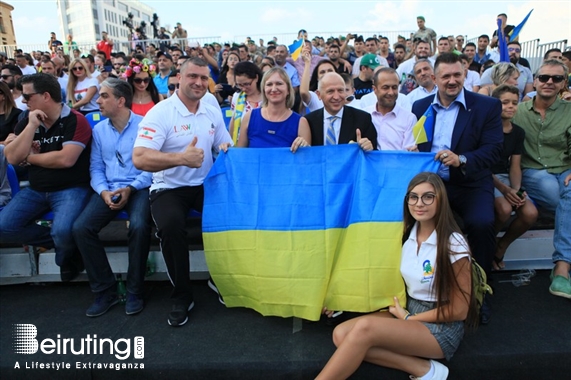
column 295, row 49
column 423, row 130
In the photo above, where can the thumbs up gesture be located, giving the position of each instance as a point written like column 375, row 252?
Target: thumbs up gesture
column 193, row 157
column 364, row 142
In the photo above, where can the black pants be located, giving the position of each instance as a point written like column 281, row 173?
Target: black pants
column 169, row 209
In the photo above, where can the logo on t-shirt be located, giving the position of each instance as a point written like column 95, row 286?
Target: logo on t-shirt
column 427, row 272
column 147, row 133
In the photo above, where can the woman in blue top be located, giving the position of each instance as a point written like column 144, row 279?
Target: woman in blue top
column 275, row 125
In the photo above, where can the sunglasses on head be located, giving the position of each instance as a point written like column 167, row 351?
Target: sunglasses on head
column 141, row 80
column 555, row 78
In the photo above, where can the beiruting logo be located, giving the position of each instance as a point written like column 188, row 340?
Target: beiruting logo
column 25, row 342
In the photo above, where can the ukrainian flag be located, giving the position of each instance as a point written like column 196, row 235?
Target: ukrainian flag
column 515, row 31
column 295, row 49
column 423, row 130
column 286, row 234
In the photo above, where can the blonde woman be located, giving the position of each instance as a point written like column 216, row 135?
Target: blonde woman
column 82, row 88
column 502, row 73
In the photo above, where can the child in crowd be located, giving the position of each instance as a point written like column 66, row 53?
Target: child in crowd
column 510, row 196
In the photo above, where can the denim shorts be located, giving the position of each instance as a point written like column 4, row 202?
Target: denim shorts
column 448, row 335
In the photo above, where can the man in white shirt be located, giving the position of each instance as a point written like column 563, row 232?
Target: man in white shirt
column 405, row 69
column 175, row 142
column 424, row 75
column 392, row 122
column 22, row 63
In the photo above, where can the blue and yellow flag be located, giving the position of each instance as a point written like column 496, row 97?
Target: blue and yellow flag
column 502, row 44
column 286, row 234
column 423, row 130
column 515, row 31
column 295, row 49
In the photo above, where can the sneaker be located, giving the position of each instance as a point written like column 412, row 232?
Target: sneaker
column 134, row 304
column 560, row 286
column 440, row 372
column 103, row 302
column 212, row 286
column 179, row 314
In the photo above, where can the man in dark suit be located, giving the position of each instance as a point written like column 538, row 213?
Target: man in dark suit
column 468, row 140
column 336, row 123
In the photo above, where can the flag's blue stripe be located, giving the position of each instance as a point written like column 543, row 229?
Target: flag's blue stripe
column 314, row 189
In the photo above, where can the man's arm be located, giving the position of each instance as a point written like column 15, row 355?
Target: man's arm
column 58, row 159
column 152, row 160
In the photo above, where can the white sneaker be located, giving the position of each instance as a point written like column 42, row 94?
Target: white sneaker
column 440, row 372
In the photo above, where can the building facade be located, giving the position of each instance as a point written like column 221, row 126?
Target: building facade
column 7, row 34
column 85, row 20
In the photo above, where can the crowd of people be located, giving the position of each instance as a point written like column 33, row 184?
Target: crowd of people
column 501, row 133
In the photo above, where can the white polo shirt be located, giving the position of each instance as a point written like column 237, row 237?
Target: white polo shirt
column 170, row 127
column 417, row 270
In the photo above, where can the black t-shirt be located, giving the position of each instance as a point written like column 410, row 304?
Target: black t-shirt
column 362, row 88
column 70, row 128
column 513, row 144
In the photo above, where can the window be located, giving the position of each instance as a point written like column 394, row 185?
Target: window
column 122, row 7
column 146, row 17
column 136, row 12
column 95, row 16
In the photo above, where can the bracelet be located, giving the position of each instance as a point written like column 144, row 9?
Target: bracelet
column 407, row 316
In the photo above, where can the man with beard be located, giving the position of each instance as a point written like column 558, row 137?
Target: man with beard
column 400, row 53
column 10, row 75
column 334, row 54
column 392, row 122
column 525, row 80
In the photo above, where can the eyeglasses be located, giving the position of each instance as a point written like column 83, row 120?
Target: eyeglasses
column 5, row 76
column 147, row 80
column 172, row 87
column 427, row 198
column 27, row 97
column 517, row 50
column 120, row 159
column 460, row 39
column 242, row 85
column 544, row 78
column 77, row 68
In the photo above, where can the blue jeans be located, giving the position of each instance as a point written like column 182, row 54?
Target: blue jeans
column 17, row 220
column 550, row 192
column 86, row 229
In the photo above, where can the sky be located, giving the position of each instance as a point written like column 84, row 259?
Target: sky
column 35, row 19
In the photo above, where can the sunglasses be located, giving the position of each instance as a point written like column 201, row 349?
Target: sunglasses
column 27, row 97
column 77, row 68
column 460, row 39
column 517, row 50
column 147, row 80
column 120, row 159
column 5, row 76
column 172, row 87
column 555, row 78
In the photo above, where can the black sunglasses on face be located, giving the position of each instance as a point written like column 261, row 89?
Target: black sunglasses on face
column 27, row 97
column 555, row 78
column 141, row 80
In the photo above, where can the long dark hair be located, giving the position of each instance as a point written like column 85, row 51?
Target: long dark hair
column 313, row 81
column 445, row 281
column 151, row 88
column 225, row 67
column 249, row 70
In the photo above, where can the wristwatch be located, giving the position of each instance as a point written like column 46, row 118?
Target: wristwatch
column 462, row 160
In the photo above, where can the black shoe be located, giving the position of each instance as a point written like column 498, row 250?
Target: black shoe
column 103, row 302
column 179, row 314
column 135, row 303
column 485, row 311
column 212, row 286
column 68, row 272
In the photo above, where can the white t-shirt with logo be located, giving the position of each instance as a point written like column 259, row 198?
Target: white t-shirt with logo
column 80, row 91
column 418, row 270
column 170, row 127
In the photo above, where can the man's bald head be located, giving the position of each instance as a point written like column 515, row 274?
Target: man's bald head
column 331, row 91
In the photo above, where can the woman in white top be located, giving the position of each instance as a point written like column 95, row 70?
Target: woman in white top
column 82, row 88
column 436, row 269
